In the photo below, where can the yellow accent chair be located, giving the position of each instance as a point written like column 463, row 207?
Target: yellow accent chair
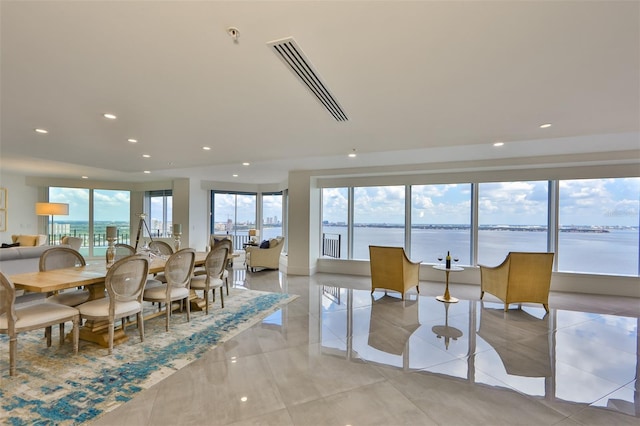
column 392, row 270
column 521, row 277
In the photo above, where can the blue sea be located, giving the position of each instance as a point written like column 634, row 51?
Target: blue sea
column 612, row 253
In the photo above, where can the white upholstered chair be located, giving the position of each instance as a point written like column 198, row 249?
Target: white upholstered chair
column 73, row 242
column 125, row 283
column 214, row 266
column 268, row 258
column 177, row 271
column 58, row 258
column 14, row 320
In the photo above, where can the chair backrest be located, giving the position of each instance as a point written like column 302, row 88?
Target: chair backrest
column 123, row 250
column 216, row 239
column 386, row 263
column 125, row 280
column 7, row 302
column 530, row 271
column 74, row 242
column 216, row 261
column 179, row 267
column 161, row 247
column 60, row 257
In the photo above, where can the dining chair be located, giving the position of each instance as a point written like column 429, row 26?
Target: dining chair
column 214, row 266
column 58, row 258
column 161, row 247
column 123, row 250
column 125, row 282
column 177, row 271
column 164, row 249
column 14, row 320
column 225, row 242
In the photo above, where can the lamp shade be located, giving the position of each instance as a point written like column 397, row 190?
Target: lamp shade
column 52, row 209
column 177, row 228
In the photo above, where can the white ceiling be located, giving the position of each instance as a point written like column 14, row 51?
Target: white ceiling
column 419, row 81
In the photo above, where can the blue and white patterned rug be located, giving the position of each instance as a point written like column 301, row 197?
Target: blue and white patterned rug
column 52, row 386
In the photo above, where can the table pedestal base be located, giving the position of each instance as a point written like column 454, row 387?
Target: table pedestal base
column 446, row 299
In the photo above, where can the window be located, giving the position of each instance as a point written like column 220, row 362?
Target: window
column 90, row 212
column 378, row 218
column 271, row 215
column 159, row 208
column 233, row 214
column 441, row 222
column 598, row 226
column 512, row 216
column 335, row 219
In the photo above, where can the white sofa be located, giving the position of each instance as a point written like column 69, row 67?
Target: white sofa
column 17, row 260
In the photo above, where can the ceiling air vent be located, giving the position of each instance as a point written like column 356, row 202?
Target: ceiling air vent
column 289, row 51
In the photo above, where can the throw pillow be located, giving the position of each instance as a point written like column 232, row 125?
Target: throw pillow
column 27, row 240
column 264, row 244
column 5, row 245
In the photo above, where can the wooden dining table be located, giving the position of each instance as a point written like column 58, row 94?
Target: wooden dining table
column 91, row 276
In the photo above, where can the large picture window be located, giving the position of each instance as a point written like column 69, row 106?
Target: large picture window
column 441, row 222
column 159, row 207
column 378, row 218
column 599, row 226
column 512, row 216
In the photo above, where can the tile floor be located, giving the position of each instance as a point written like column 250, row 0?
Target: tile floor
column 337, row 356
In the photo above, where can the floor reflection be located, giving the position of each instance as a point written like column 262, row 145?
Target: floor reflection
column 562, row 357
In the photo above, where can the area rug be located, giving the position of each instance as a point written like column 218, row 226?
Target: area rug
column 54, row 386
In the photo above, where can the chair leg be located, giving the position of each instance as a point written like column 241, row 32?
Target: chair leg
column 221, row 297
column 168, row 312
column 76, row 335
column 111, row 333
column 481, row 294
column 506, row 307
column 226, row 281
column 206, row 301
column 140, row 321
column 47, row 333
column 13, row 353
column 61, row 327
column 186, row 302
column 546, row 307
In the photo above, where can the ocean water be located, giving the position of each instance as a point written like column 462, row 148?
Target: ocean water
column 612, row 253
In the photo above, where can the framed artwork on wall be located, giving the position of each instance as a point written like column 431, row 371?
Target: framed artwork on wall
column 3, row 198
column 3, row 220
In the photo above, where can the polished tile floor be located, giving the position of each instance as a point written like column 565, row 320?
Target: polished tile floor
column 338, row 356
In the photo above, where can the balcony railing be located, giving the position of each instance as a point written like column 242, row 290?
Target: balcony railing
column 331, row 245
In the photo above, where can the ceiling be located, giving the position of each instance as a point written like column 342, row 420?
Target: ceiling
column 420, row 82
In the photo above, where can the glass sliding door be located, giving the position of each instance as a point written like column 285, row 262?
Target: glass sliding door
column 159, row 205
column 233, row 214
column 110, row 208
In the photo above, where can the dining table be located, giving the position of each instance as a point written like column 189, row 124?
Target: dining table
column 92, row 277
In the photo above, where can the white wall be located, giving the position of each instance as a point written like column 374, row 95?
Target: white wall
column 21, row 202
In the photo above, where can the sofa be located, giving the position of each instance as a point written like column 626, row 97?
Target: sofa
column 268, row 258
column 17, row 260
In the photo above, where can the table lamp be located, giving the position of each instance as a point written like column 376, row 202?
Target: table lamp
column 52, row 209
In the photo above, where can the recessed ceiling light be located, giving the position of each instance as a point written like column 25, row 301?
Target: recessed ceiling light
column 544, row 126
column 352, row 154
column 109, row 116
column 235, row 175
column 147, row 171
column 246, row 164
column 85, row 177
column 146, row 155
column 43, row 131
column 498, row 144
column 206, row 148
column 132, row 140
